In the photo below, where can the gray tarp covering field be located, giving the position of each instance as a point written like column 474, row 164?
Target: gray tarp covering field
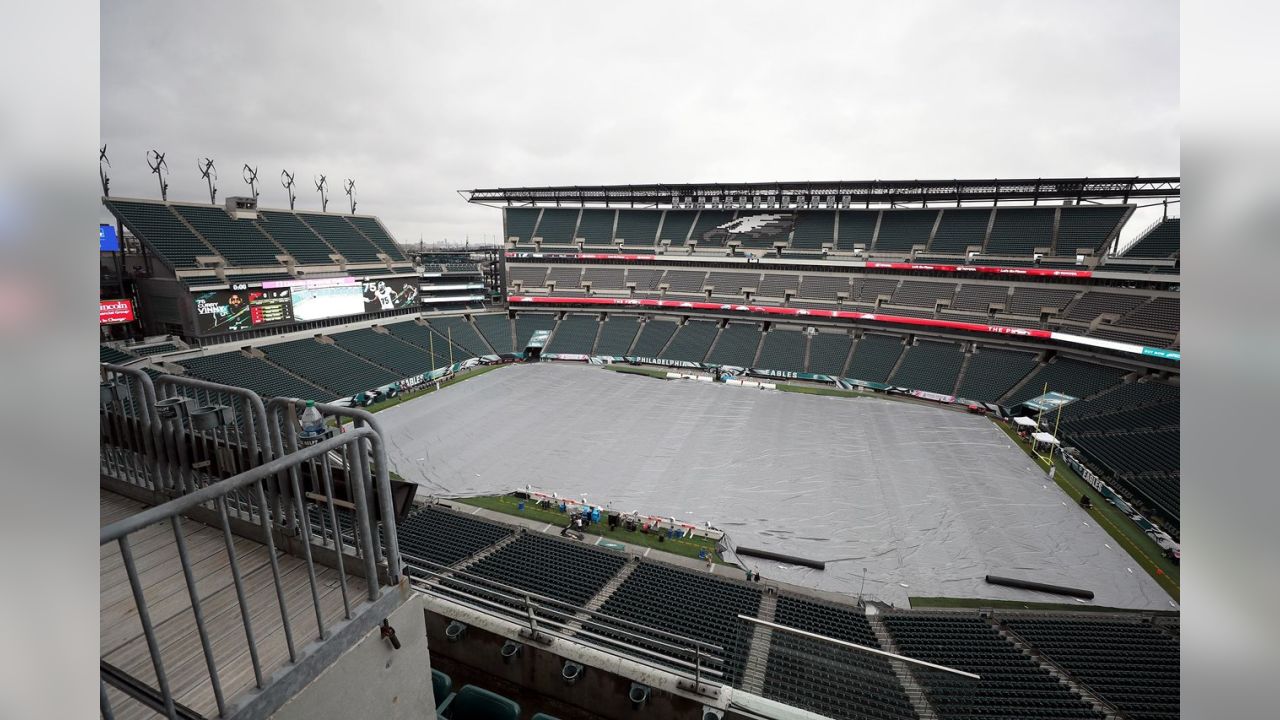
column 927, row 500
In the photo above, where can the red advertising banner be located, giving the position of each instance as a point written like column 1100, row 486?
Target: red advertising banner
column 1030, row 272
column 111, row 312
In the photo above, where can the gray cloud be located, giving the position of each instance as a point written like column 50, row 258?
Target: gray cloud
column 418, row 100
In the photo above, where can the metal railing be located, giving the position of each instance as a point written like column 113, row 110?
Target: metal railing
column 797, row 666
column 369, row 464
column 845, row 644
column 211, row 454
column 175, row 434
column 705, row 666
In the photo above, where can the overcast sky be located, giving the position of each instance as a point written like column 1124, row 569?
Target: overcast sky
column 417, row 100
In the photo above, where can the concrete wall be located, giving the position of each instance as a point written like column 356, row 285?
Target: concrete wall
column 533, row 679
column 372, row 679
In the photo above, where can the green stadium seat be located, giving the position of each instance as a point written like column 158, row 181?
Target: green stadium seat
column 930, row 365
column 576, row 334
column 239, row 241
column 596, row 228
column 344, row 237
column 874, row 357
column 441, row 686
column 1162, row 241
column 676, row 225
column 902, row 229
column 638, row 228
column 473, row 703
column 520, row 223
column 992, row 372
column 813, row 230
column 1087, row 227
column 160, row 228
column 960, row 229
column 855, row 227
column 374, row 232
column 617, row 334
column 1018, row 231
column 295, row 237
column 557, row 226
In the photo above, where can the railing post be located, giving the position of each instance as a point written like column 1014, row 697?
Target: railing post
column 533, row 620
column 697, row 667
column 379, row 479
column 104, row 703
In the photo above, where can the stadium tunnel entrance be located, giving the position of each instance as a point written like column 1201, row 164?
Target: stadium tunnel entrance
column 533, row 348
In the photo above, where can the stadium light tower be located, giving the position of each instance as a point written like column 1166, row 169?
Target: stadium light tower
column 155, row 161
column 322, row 184
column 106, row 181
column 250, row 176
column 208, row 172
column 350, row 186
column 286, row 180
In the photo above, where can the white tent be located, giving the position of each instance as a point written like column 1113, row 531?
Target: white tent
column 1044, row 437
column 1024, row 421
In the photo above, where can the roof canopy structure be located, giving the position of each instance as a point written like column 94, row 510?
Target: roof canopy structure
column 836, row 193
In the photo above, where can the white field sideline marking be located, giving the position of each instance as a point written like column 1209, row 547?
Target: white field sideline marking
column 864, row 648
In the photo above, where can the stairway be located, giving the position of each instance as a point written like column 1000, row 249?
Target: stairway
column 1025, row 379
column 964, row 368
column 915, row 693
column 598, row 600
column 1058, row 672
column 760, row 641
column 611, row 587
column 714, row 341
column 260, row 355
column 898, row 363
column 484, row 552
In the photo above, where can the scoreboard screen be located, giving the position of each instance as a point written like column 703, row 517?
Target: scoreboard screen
column 107, row 240
column 284, row 302
column 268, row 307
column 234, row 310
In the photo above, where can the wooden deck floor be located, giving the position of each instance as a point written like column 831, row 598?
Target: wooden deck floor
column 155, row 554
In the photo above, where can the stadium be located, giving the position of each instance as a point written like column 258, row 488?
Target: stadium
column 846, row 449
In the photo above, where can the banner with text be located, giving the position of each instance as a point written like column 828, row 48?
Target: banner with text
column 848, row 315
column 111, row 312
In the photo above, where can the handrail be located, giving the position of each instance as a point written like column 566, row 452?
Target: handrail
column 177, row 451
column 861, row 648
column 583, row 635
column 575, row 635
column 379, row 479
column 518, row 593
column 181, row 504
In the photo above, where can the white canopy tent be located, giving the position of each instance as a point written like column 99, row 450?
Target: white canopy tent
column 1044, row 438
column 1024, row 421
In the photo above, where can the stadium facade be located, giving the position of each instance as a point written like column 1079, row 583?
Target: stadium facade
column 253, row 571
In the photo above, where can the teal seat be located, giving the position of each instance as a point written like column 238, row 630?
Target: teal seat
column 473, row 703
column 441, row 686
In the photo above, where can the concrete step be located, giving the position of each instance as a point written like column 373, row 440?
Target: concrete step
column 611, row 587
column 1059, row 673
column 761, row 640
column 914, row 691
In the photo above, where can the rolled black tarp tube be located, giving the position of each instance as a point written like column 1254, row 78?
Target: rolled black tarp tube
column 1042, row 587
column 767, row 555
